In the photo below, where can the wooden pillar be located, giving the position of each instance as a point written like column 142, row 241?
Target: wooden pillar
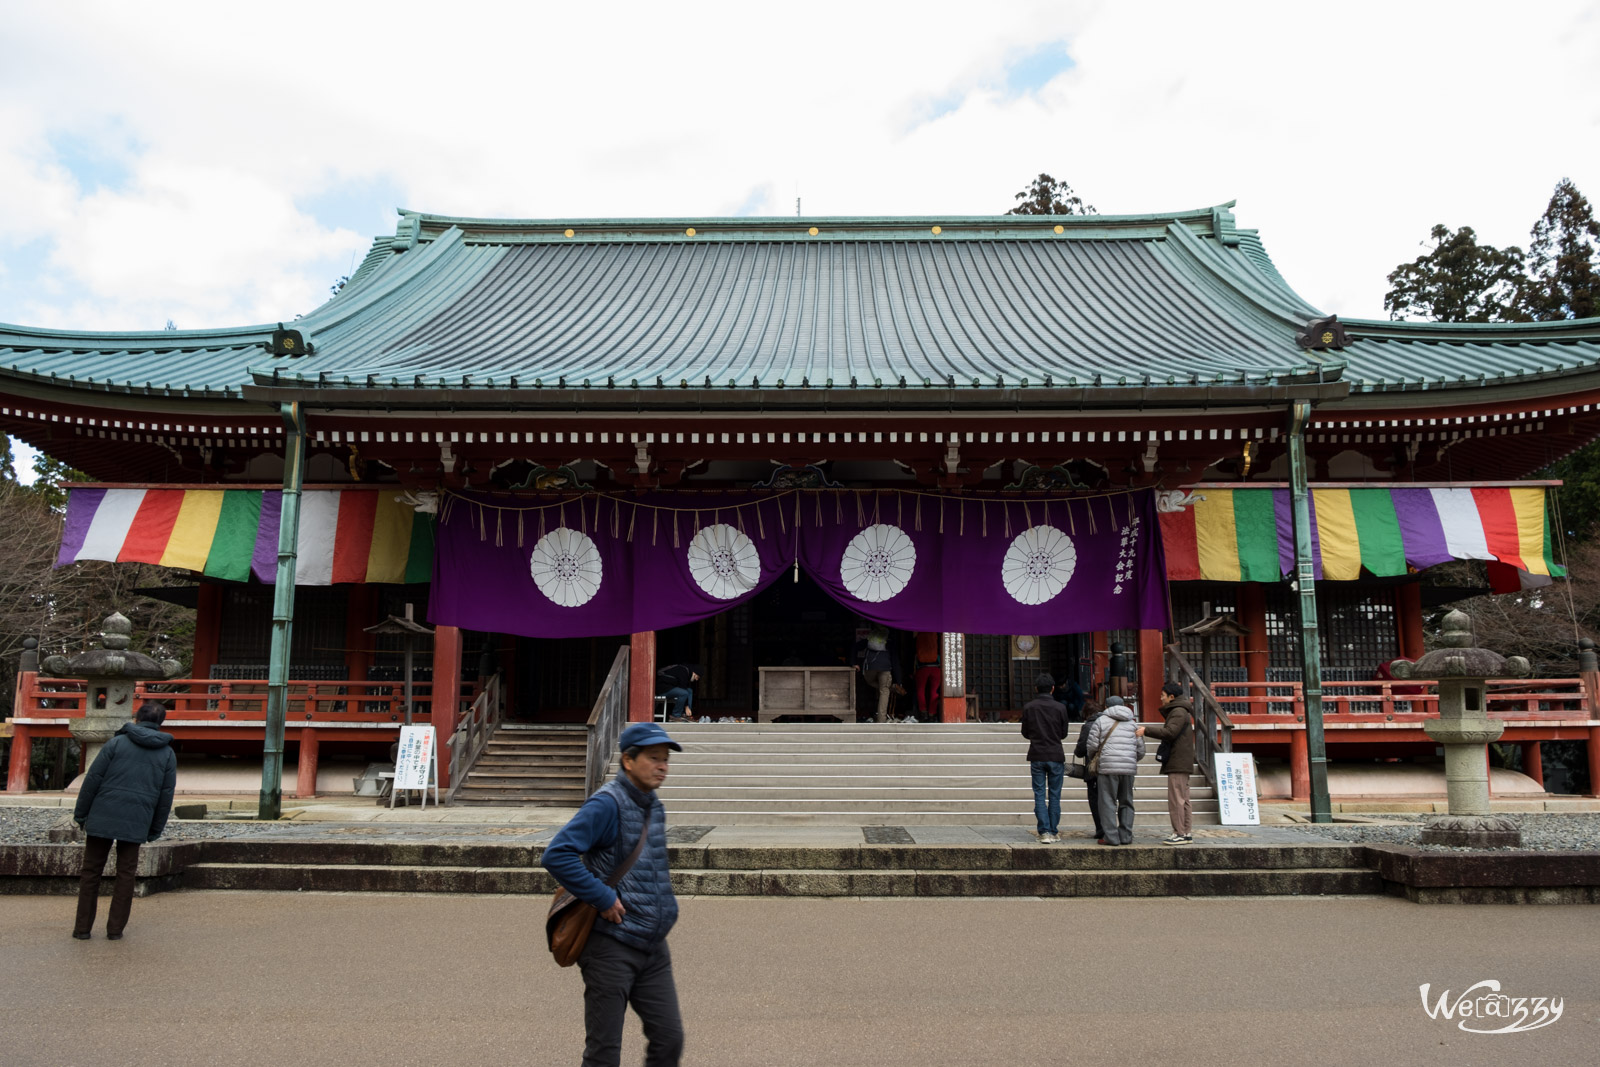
column 207, row 629
column 22, row 758
column 306, row 778
column 1152, row 673
column 446, row 693
column 1533, row 761
column 1099, row 661
column 1253, row 616
column 642, row 676
column 361, row 611
column 1408, row 619
column 1299, row 766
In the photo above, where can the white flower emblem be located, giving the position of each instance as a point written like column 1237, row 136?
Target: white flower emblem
column 878, row 563
column 566, row 567
column 724, row 562
column 1038, row 565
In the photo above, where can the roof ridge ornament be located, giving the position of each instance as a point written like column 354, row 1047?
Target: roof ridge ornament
column 1322, row 334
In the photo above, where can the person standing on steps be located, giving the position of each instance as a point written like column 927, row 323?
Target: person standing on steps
column 626, row 960
column 1092, row 710
column 1044, row 724
column 126, row 798
column 680, row 697
column 879, row 667
column 928, row 679
column 1116, row 740
column 1176, row 756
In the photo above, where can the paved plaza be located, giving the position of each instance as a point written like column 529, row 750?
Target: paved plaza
column 216, row 978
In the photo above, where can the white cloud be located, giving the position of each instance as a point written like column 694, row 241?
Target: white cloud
column 1344, row 132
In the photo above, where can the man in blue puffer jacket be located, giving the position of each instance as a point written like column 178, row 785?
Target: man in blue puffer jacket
column 125, row 797
column 626, row 959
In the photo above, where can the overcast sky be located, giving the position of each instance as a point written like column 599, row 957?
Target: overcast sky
column 220, row 164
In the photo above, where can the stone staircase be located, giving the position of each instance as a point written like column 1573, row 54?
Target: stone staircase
column 529, row 764
column 890, row 774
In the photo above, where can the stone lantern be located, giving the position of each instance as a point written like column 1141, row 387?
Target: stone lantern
column 1463, row 728
column 109, row 674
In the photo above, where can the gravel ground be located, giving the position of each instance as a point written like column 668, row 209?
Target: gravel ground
column 1541, row 832
column 31, row 826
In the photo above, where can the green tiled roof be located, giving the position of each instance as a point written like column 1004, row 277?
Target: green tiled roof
column 473, row 306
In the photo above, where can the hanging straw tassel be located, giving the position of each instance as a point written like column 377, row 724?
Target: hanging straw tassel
column 877, row 498
column 1072, row 527
column 616, row 518
column 782, row 526
column 838, row 509
column 499, row 527
column 541, row 524
column 899, row 509
column 583, row 517
column 797, row 526
column 519, row 529
column 961, row 513
column 916, row 510
column 655, row 524
column 1088, row 506
column 761, row 526
column 818, row 496
column 1005, row 512
column 983, row 518
column 738, row 515
column 633, row 516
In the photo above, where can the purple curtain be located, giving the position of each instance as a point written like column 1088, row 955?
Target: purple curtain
column 913, row 561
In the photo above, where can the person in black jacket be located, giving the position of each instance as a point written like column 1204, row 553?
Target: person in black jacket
column 1092, row 710
column 126, row 798
column 1044, row 724
column 680, row 698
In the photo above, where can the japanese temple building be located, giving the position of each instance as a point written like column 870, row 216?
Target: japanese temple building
column 579, row 447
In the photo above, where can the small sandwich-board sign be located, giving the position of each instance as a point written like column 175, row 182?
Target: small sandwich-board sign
column 1236, row 789
column 416, row 765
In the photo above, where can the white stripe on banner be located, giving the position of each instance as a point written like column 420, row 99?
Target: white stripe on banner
column 319, row 522
column 1463, row 526
column 109, row 527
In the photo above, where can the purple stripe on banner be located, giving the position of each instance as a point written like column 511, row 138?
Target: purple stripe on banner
column 1420, row 527
column 264, row 561
column 81, row 506
column 1283, row 511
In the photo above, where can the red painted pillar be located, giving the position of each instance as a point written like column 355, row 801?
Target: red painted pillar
column 1253, row 616
column 1152, row 673
column 22, row 757
column 642, row 676
column 306, row 779
column 207, row 629
column 1408, row 619
column 1299, row 766
column 1099, row 661
column 446, row 693
column 1533, row 761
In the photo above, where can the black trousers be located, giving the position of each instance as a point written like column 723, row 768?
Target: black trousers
column 616, row 975
column 94, row 861
column 1091, row 786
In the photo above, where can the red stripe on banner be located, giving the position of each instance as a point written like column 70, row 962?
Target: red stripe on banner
column 152, row 527
column 352, row 540
column 1499, row 520
column 1183, row 551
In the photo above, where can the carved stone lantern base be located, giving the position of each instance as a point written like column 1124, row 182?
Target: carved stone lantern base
column 1472, row 831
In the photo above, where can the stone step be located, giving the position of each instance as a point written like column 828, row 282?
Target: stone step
column 1152, row 882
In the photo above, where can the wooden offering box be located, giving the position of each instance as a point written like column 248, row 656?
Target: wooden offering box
column 807, row 691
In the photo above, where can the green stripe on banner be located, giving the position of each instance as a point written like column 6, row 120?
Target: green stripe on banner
column 235, row 541
column 1255, row 529
column 419, row 557
column 1383, row 550
column 1556, row 570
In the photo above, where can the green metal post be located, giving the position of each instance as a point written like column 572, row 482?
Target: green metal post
column 1310, row 641
column 294, row 471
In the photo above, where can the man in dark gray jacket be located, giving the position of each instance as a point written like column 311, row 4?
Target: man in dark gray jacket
column 126, row 797
column 1044, row 724
column 1116, row 739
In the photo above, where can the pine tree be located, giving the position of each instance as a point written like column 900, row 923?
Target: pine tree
column 1046, row 196
column 1459, row 280
column 1563, row 278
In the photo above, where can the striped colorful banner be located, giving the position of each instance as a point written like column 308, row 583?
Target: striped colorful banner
column 363, row 535
column 1247, row 535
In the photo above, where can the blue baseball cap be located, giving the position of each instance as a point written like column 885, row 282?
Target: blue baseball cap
column 645, row 734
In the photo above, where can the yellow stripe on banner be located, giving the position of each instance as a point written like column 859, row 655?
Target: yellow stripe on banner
column 391, row 540
column 193, row 530
column 1336, row 534
column 1529, row 507
column 1216, row 538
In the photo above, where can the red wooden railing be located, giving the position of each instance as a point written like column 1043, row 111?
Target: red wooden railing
column 1509, row 698
column 199, row 700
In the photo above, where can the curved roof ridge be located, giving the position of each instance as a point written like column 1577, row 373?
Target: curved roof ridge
column 1557, row 330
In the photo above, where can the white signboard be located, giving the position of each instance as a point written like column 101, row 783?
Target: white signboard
column 1236, row 789
column 416, row 765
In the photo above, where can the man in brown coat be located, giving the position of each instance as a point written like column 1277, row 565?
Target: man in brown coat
column 1177, row 733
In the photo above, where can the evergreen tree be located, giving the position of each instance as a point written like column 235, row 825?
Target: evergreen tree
column 51, row 473
column 1046, row 196
column 1459, row 280
column 1563, row 279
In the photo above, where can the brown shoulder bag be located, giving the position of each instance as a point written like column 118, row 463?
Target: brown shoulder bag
column 567, row 926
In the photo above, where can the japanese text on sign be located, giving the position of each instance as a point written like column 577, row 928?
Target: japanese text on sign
column 1236, row 789
column 414, row 761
